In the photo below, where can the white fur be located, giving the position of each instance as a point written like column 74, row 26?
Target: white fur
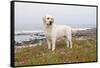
column 54, row 32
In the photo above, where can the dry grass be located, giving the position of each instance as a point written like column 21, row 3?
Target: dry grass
column 82, row 51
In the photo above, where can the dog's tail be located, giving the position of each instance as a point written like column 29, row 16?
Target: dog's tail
column 75, row 30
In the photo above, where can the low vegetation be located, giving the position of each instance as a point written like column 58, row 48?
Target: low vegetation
column 82, row 51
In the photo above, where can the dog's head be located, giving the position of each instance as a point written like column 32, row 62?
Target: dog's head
column 48, row 20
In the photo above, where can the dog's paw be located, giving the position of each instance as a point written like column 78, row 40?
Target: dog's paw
column 71, row 46
column 53, row 49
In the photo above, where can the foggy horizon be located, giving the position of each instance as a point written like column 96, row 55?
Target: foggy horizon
column 28, row 16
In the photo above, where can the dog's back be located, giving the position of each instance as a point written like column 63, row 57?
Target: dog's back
column 62, row 30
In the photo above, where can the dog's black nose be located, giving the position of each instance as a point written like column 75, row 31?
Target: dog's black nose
column 50, row 22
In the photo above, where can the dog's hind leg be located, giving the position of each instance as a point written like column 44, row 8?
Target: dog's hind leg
column 67, row 43
column 70, row 40
column 70, row 43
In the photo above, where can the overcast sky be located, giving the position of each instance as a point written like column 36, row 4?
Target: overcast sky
column 28, row 16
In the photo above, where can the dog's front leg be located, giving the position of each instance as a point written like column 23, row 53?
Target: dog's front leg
column 70, row 44
column 53, row 43
column 67, row 42
column 49, row 44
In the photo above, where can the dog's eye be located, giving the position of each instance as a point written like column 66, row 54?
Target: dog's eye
column 48, row 18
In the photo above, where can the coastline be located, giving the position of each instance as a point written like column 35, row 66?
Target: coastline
column 37, row 37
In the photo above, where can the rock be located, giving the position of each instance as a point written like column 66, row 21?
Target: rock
column 86, row 34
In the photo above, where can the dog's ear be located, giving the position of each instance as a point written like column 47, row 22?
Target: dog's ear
column 43, row 18
column 53, row 19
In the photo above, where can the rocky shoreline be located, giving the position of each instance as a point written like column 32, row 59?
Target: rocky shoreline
column 86, row 34
column 89, row 34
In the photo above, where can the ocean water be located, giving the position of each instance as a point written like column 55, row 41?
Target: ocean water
column 29, row 35
column 30, row 32
column 39, row 27
column 20, row 38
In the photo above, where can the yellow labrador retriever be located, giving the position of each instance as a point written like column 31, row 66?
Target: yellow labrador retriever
column 53, row 32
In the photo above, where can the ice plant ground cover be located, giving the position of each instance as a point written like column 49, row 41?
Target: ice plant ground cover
column 82, row 51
